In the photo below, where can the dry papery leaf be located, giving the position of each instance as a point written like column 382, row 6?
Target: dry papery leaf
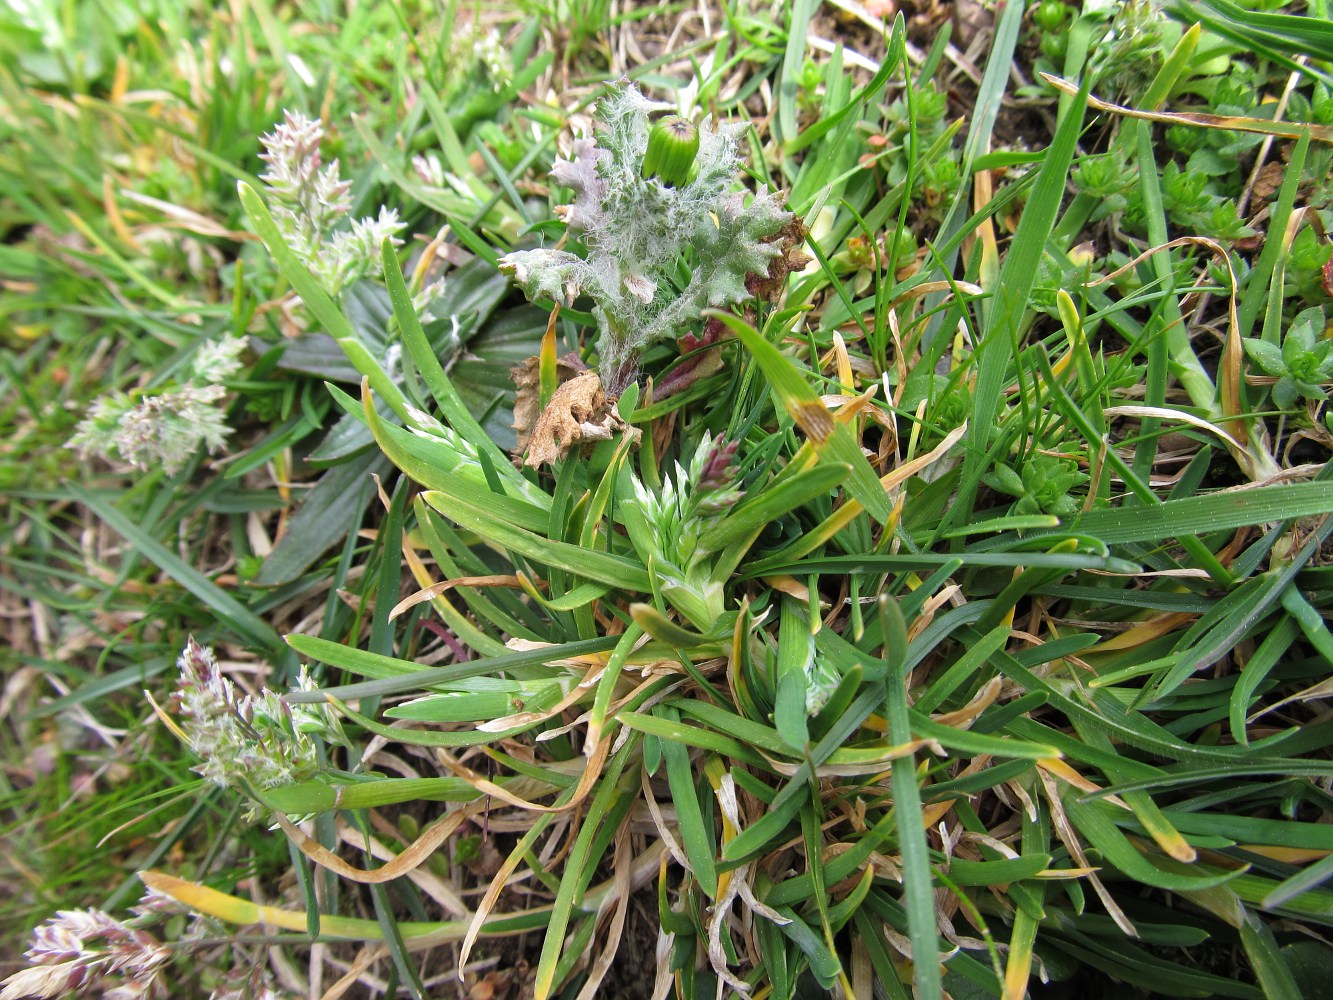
column 527, row 403
column 577, row 413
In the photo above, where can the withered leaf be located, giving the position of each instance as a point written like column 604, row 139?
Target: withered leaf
column 577, row 412
column 789, row 258
column 527, row 401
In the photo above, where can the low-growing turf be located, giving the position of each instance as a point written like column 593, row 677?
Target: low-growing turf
column 945, row 617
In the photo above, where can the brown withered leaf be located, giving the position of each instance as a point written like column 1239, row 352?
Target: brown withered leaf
column 527, row 402
column 486, row 862
column 578, row 412
column 790, row 258
column 495, row 985
column 1268, row 181
column 971, row 18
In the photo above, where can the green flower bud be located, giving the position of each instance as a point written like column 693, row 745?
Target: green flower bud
column 1053, row 46
column 673, row 143
column 1051, row 14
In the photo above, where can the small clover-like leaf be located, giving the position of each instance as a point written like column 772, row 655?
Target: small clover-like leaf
column 1297, row 344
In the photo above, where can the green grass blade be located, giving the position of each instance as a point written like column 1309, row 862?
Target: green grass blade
column 604, row 567
column 1201, row 514
column 231, row 612
column 833, row 441
column 919, row 898
column 418, row 348
column 397, row 676
column 1018, row 274
column 1275, row 978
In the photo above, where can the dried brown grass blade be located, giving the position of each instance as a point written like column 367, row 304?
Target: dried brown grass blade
column 1065, row 831
column 435, row 590
column 364, row 960
column 412, row 856
column 616, row 931
column 591, row 772
column 1284, row 130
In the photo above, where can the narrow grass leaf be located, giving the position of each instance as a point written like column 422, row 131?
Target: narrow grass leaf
column 604, row 567
column 1275, row 978
column 1212, row 512
column 697, row 841
column 399, row 676
column 235, row 910
column 232, row 612
column 1018, row 274
column 919, row 898
column 609, row 800
column 1093, row 820
column 419, row 349
column 669, row 730
column 318, row 301
column 795, row 657
column 832, row 441
column 1234, row 123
